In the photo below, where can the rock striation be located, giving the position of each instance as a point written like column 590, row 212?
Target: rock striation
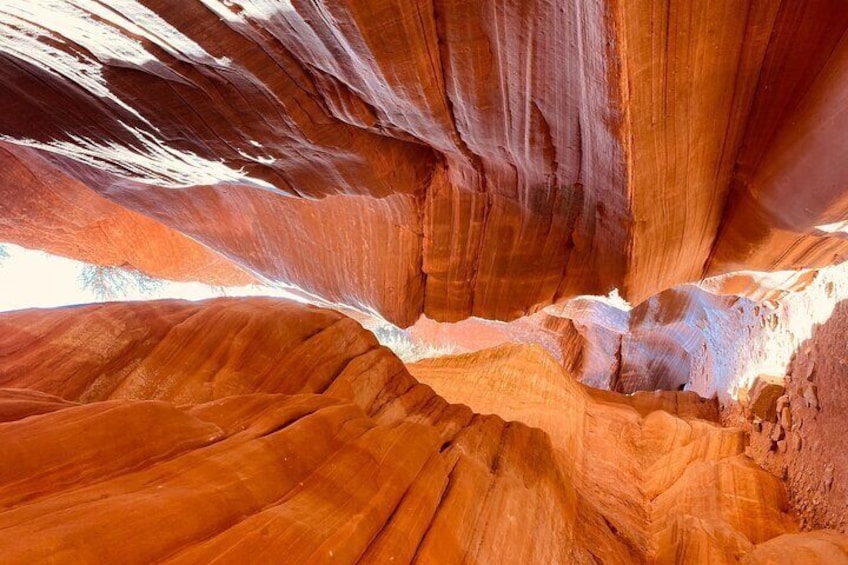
column 467, row 168
column 285, row 432
column 478, row 158
column 714, row 338
column 43, row 207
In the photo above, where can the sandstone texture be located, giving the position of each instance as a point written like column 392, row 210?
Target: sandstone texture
column 257, row 431
column 714, row 339
column 42, row 207
column 453, row 158
column 276, row 432
column 811, row 423
column 628, row 218
column 583, row 334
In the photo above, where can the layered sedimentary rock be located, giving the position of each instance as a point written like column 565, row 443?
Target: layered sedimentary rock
column 682, row 490
column 788, row 206
column 44, row 208
column 287, row 433
column 469, row 161
column 713, row 339
column 481, row 158
column 583, row 334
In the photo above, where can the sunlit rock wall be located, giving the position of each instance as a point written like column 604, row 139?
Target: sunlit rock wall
column 712, row 339
column 286, row 433
column 454, row 158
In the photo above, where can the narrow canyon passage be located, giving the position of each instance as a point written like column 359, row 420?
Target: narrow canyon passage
column 431, row 281
column 266, row 430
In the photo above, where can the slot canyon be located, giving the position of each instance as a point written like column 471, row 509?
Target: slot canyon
column 564, row 281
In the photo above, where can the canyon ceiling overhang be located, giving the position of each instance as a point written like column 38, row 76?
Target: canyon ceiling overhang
column 449, row 157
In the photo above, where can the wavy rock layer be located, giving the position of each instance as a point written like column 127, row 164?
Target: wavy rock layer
column 285, row 432
column 713, row 339
column 42, row 207
column 459, row 158
column 788, row 206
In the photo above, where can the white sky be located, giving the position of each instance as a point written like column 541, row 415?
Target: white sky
column 35, row 279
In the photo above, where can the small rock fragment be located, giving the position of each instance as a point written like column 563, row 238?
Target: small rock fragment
column 781, row 446
column 811, row 397
column 810, row 370
column 777, row 433
column 763, row 395
column 827, row 477
column 796, row 442
column 786, row 418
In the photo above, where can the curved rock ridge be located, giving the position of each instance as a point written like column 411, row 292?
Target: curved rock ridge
column 477, row 158
column 285, row 433
column 43, row 207
column 583, row 334
column 788, row 203
column 714, row 338
column 282, row 432
column 664, row 475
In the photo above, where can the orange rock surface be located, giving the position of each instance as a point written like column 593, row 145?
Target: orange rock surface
column 44, row 208
column 665, row 476
column 466, row 168
column 285, row 433
column 714, row 338
column 803, row 441
column 583, row 334
column 788, row 205
column 453, row 158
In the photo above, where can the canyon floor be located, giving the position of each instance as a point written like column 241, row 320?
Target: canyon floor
column 262, row 430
